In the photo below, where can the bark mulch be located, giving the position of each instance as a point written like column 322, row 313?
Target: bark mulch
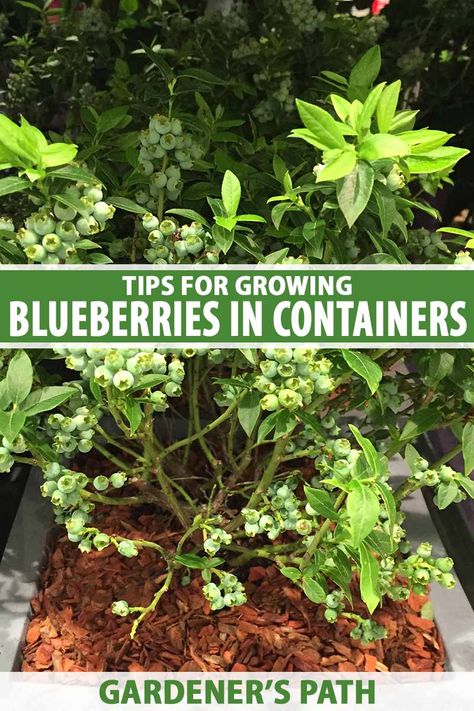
column 72, row 628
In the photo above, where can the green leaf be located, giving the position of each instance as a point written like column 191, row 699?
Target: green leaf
column 440, row 366
column 189, row 215
column 436, row 160
column 267, row 426
column 70, row 172
column 111, row 119
column 354, row 191
column 148, row 381
column 342, row 107
column 421, row 421
column 387, row 106
column 190, row 560
column 369, row 574
column 291, row 573
column 58, row 154
column 159, row 62
column 391, row 507
column 11, row 423
column 364, row 119
column 311, row 421
column 231, row 193
column 364, row 73
column 19, row 378
column 12, row 184
column 133, row 412
column 126, row 204
column 249, row 411
column 45, row 399
column 364, row 366
column 202, row 75
column 321, row 502
column 382, row 145
column 445, row 494
column 386, row 208
column 5, row 400
column 363, row 509
column 468, row 447
column 371, row 455
column 412, row 457
column 338, row 167
column 285, row 423
column 468, row 486
column 313, row 591
column 321, row 124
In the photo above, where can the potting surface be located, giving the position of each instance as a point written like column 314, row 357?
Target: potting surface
column 73, row 628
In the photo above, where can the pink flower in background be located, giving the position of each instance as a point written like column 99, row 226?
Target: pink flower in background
column 378, row 6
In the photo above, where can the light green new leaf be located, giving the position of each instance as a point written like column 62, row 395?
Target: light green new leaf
column 19, row 377
column 387, row 106
column 354, row 191
column 412, row 458
column 369, row 575
column 231, row 193
column 371, row 455
column 435, row 160
column 133, row 412
column 468, row 447
column 364, row 119
column 11, row 423
column 382, row 145
column 364, row 366
column 320, row 123
column 363, row 509
column 58, row 154
column 445, row 494
column 249, row 411
column 45, row 399
column 341, row 106
column 291, row 573
column 338, row 167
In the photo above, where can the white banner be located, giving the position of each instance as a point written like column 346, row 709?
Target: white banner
column 296, row 691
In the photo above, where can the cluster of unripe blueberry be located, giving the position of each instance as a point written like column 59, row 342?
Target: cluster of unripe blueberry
column 72, row 433
column 424, row 476
column 65, row 488
column 8, row 449
column 165, row 150
column 422, row 569
column 425, row 244
column 281, row 85
column 171, row 244
column 281, row 510
column 215, row 538
column 53, row 234
column 368, row 631
column 123, row 368
column 304, row 15
column 228, row 593
column 290, row 378
column 337, row 460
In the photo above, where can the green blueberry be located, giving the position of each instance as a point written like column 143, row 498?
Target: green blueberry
column 128, row 549
column 173, row 389
column 101, row 541
column 35, row 252
column 330, row 615
column 85, row 546
column 447, row 581
column 251, row 515
column 424, row 550
column 66, row 484
column 26, row 238
column 290, row 399
column 123, row 380
column 444, row 564
column 120, row 608
column 303, row 527
column 167, row 227
column 64, row 212
column 211, row 547
column 101, row 482
column 103, row 211
column 84, row 446
column 87, row 226
column 118, row 479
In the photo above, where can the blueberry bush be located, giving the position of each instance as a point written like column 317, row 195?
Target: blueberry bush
column 290, row 449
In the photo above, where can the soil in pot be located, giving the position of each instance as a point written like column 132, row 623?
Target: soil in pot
column 73, row 629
